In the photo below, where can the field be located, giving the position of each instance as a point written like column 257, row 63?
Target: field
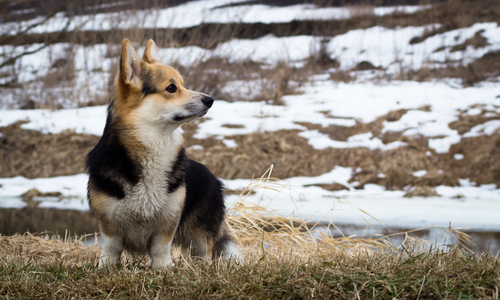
column 53, row 269
column 382, row 115
column 283, row 259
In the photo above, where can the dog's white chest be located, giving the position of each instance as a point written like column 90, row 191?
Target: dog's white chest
column 149, row 201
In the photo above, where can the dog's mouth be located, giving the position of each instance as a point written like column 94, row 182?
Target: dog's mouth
column 189, row 116
column 180, row 118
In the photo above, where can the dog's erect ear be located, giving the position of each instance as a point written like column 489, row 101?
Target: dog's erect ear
column 130, row 66
column 150, row 53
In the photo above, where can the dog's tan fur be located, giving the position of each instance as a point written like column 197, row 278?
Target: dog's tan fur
column 144, row 117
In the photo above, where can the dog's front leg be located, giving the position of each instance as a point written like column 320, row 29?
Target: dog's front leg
column 160, row 251
column 112, row 247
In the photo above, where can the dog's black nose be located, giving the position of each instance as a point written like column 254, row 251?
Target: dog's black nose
column 208, row 101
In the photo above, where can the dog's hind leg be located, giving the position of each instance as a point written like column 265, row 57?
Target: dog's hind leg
column 225, row 248
column 196, row 245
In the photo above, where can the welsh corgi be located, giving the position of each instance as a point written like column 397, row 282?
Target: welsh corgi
column 144, row 192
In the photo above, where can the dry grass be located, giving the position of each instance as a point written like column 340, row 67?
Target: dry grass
column 484, row 68
column 66, row 270
column 31, row 154
column 282, row 260
column 258, row 81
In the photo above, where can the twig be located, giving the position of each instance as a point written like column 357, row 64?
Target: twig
column 421, row 287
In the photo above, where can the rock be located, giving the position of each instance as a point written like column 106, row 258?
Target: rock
column 331, row 187
column 422, row 191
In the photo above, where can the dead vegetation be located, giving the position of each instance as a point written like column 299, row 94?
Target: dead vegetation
column 283, row 259
column 31, row 154
column 484, row 68
column 60, row 270
column 456, row 14
column 451, row 14
column 258, row 82
column 477, row 41
column 258, row 150
column 421, row 191
column 481, row 159
column 465, row 122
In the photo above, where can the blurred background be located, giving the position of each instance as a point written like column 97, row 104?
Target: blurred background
column 389, row 106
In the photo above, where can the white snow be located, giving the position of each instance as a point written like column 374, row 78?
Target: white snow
column 82, row 120
column 347, row 102
column 478, row 210
column 68, row 186
column 230, row 143
column 387, row 48
column 196, row 12
column 420, row 173
column 474, row 111
column 487, row 128
column 73, row 189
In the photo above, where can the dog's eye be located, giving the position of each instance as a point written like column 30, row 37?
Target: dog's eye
column 171, row 88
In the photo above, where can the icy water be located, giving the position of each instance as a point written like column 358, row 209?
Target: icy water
column 482, row 241
column 13, row 220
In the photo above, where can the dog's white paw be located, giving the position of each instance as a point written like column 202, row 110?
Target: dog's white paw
column 108, row 260
column 158, row 264
column 232, row 253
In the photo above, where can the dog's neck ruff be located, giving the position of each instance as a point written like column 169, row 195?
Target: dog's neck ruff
column 161, row 154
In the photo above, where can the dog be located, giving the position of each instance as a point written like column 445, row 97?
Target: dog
column 144, row 192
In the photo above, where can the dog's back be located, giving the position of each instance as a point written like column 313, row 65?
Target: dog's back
column 143, row 190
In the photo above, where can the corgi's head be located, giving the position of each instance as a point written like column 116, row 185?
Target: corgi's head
column 152, row 94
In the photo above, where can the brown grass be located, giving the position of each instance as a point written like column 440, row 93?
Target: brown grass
column 466, row 122
column 485, row 68
column 452, row 14
column 31, row 154
column 421, row 191
column 481, row 159
column 342, row 76
column 282, row 260
column 477, row 41
column 66, row 270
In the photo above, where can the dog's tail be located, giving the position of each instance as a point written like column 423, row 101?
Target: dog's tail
column 225, row 248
